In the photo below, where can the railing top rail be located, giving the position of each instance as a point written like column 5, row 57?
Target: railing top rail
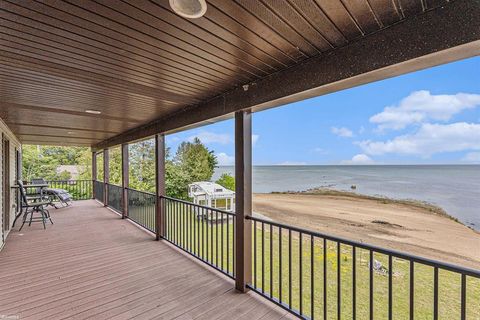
column 115, row 185
column 144, row 192
column 73, row 180
column 198, row 205
column 397, row 254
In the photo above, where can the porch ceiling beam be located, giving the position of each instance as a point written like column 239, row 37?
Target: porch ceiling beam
column 442, row 35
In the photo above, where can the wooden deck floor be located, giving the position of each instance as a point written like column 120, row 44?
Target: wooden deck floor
column 91, row 264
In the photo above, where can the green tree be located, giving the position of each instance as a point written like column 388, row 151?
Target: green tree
column 42, row 161
column 192, row 162
column 115, row 166
column 227, row 181
column 142, row 165
column 196, row 160
column 100, row 166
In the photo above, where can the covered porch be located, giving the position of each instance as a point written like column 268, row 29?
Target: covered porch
column 106, row 74
column 91, row 264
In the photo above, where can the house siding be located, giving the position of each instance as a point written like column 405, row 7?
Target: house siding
column 14, row 146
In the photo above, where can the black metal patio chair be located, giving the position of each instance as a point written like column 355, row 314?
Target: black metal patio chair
column 56, row 194
column 29, row 207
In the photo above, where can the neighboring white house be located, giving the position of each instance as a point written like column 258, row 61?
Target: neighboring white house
column 212, row 195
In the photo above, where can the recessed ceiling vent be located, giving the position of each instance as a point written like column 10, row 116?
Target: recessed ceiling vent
column 190, row 9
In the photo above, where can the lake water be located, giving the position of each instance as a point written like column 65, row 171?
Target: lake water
column 455, row 188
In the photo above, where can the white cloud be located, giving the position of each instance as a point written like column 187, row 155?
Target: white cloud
column 255, row 138
column 292, row 163
column 342, row 132
column 211, row 137
column 224, row 159
column 422, row 106
column 428, row 140
column 473, row 157
column 359, row 159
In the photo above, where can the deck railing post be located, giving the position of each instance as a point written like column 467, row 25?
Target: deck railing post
column 125, row 181
column 243, row 198
column 106, row 176
column 94, row 172
column 160, row 184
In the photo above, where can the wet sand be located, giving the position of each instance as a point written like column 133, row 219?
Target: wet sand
column 402, row 227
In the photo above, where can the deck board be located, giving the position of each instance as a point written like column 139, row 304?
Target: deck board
column 92, row 265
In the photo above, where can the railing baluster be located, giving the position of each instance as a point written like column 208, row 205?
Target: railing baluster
column 211, row 237
column 290, row 268
column 233, row 247
column 228, row 245
column 463, row 298
column 221, row 242
column 185, row 226
column 280, row 278
column 174, row 222
column 191, row 222
column 263, row 257
column 255, row 254
column 179, row 224
column 271, row 261
column 202, row 245
column 300, row 271
column 371, row 284
column 167, row 218
column 435, row 293
column 390, row 287
column 325, row 311
column 339, row 284
column 412, row 290
column 312, row 277
column 216, row 238
column 354, row 283
column 205, row 226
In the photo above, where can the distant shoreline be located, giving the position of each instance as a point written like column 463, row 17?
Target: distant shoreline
column 424, row 205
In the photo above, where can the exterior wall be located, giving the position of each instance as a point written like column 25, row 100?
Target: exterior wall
column 14, row 146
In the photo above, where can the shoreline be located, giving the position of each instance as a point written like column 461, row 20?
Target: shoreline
column 425, row 205
column 409, row 226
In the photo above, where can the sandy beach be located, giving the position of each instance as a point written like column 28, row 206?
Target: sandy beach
column 399, row 226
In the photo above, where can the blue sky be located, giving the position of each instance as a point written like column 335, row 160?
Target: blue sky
column 426, row 117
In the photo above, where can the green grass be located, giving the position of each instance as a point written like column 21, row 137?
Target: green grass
column 449, row 282
column 218, row 239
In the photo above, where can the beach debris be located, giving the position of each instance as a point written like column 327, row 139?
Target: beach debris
column 353, row 187
column 386, row 223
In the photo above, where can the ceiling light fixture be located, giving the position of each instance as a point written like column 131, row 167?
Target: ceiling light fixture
column 93, row 111
column 190, row 9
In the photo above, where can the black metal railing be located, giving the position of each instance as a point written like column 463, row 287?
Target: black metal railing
column 310, row 274
column 79, row 189
column 141, row 208
column 99, row 190
column 206, row 233
column 317, row 276
column 115, row 197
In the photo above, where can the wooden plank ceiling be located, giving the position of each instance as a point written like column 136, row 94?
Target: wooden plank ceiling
column 136, row 61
